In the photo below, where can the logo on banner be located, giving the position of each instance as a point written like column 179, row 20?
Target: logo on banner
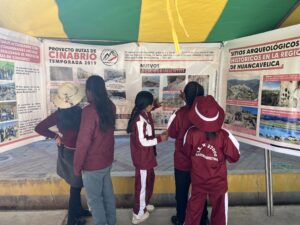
column 109, row 57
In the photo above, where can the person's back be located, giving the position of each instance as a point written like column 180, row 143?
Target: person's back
column 142, row 145
column 95, row 150
column 177, row 126
column 209, row 146
column 101, row 144
column 208, row 158
column 143, row 150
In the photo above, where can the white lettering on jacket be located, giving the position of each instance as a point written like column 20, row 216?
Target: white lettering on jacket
column 210, row 147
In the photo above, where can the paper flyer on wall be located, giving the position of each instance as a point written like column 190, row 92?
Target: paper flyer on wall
column 21, row 93
column 130, row 68
column 261, row 92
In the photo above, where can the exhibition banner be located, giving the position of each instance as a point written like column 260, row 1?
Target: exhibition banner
column 22, row 102
column 261, row 89
column 130, row 68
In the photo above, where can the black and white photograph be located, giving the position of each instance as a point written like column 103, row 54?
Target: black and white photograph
column 151, row 84
column 7, row 91
column 173, row 83
column 8, row 111
column 83, row 74
column 116, row 95
column 239, row 88
column 114, row 76
column 8, row 131
column 150, row 81
column 61, row 73
column 6, row 70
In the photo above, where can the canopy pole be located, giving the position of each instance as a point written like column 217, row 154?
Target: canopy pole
column 269, row 188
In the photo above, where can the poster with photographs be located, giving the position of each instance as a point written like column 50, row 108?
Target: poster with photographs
column 261, row 89
column 127, row 69
column 21, row 98
column 63, row 64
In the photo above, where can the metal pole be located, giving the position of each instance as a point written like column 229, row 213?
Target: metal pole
column 268, row 171
column 270, row 183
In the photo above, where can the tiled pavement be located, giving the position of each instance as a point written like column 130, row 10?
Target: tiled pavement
column 283, row 215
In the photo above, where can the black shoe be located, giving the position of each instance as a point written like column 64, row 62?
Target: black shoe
column 175, row 220
column 84, row 213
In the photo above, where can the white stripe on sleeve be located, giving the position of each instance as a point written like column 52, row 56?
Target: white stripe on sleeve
column 171, row 119
column 184, row 139
column 144, row 142
column 233, row 139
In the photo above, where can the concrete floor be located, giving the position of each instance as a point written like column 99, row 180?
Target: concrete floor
column 283, row 215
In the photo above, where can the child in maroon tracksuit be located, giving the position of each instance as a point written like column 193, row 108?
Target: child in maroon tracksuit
column 142, row 145
column 209, row 146
column 177, row 126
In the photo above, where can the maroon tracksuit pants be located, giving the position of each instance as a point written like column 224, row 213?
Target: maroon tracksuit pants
column 144, row 183
column 219, row 204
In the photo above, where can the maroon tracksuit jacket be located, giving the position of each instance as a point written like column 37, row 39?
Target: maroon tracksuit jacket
column 209, row 173
column 142, row 145
column 177, row 127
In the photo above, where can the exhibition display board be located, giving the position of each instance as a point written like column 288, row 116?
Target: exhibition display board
column 261, row 89
column 256, row 79
column 22, row 92
column 130, row 68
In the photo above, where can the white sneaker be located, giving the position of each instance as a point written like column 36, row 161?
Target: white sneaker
column 138, row 219
column 150, row 208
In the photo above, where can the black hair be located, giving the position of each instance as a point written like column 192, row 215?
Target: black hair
column 210, row 135
column 142, row 100
column 191, row 91
column 104, row 106
column 69, row 119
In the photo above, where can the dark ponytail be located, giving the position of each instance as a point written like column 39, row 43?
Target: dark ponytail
column 210, row 135
column 142, row 100
column 104, row 106
column 191, row 91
